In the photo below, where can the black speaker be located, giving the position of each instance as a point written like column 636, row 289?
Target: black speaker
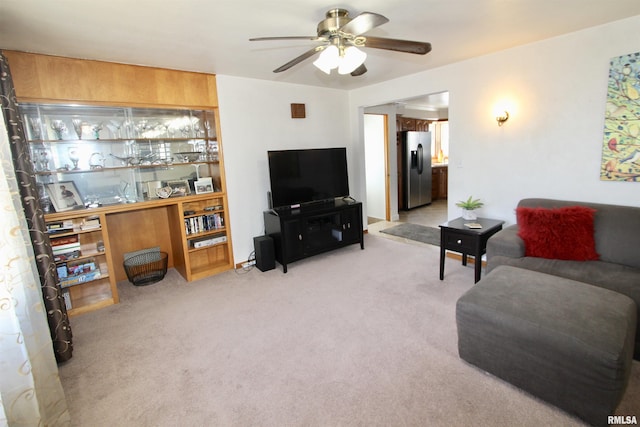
column 265, row 253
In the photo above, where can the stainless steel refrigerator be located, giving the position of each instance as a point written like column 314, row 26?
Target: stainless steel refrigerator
column 416, row 169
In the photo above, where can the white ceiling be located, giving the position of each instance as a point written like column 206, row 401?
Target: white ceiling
column 212, row 35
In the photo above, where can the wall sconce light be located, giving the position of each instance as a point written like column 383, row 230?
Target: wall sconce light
column 502, row 118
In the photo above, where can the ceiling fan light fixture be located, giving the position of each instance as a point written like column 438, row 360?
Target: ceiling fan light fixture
column 339, row 35
column 328, row 59
column 352, row 59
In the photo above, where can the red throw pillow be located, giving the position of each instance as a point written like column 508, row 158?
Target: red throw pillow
column 561, row 233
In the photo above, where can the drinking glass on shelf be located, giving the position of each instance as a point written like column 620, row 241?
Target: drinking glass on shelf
column 59, row 128
column 186, row 130
column 212, row 151
column 43, row 162
column 115, row 126
column 74, row 156
column 195, row 125
column 161, row 130
column 36, row 127
column 77, row 126
column 141, row 128
column 96, row 130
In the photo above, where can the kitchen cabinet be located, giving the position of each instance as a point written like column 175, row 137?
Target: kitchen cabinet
column 411, row 124
column 440, row 177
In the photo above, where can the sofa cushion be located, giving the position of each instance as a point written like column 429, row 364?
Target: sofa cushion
column 615, row 277
column 565, row 233
column 617, row 228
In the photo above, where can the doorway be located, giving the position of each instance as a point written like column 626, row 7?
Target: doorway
column 430, row 112
column 377, row 167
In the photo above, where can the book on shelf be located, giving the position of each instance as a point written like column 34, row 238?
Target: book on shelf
column 64, row 245
column 90, row 224
column 83, row 266
column 65, row 240
column 202, row 223
column 62, row 271
column 80, row 278
column 66, row 256
column 60, row 226
column 71, row 269
column 64, row 249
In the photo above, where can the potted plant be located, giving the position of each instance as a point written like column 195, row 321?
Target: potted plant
column 469, row 206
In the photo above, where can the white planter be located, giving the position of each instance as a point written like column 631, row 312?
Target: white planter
column 469, row 214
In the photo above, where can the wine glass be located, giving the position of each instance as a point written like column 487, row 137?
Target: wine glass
column 35, row 124
column 74, row 156
column 116, row 125
column 197, row 167
column 141, row 128
column 59, row 128
column 44, row 160
column 186, row 130
column 96, row 130
column 195, row 125
column 77, row 126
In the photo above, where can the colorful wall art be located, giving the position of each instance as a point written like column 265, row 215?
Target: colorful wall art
column 621, row 142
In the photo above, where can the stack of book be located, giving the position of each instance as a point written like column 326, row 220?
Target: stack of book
column 92, row 223
column 65, row 248
column 60, row 226
column 77, row 272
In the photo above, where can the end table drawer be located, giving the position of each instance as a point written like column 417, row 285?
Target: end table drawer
column 459, row 242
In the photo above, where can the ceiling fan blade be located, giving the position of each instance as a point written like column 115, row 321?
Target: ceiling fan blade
column 359, row 71
column 314, row 38
column 419, row 48
column 299, row 59
column 362, row 23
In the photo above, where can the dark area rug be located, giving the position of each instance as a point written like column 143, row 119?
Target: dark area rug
column 419, row 233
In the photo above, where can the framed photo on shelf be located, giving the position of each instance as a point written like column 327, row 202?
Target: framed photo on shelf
column 64, row 196
column 180, row 187
column 204, row 185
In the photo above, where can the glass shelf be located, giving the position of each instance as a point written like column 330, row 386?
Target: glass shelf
column 119, row 153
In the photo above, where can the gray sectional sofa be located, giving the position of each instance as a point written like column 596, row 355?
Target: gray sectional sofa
column 617, row 242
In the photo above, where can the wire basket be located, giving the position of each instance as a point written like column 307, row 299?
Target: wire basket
column 146, row 268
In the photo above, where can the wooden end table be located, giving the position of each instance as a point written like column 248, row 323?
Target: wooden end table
column 456, row 236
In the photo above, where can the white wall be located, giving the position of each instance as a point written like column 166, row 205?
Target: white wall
column 255, row 116
column 374, row 136
column 551, row 145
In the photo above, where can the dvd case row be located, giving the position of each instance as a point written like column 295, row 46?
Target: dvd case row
column 199, row 224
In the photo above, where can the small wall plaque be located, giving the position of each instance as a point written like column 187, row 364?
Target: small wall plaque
column 298, row 111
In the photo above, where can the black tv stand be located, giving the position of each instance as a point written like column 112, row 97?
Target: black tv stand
column 313, row 228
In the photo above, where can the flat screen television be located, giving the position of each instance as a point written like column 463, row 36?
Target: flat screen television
column 307, row 175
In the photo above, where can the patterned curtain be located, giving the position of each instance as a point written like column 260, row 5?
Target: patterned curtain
column 54, row 303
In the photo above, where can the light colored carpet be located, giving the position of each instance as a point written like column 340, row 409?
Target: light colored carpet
column 348, row 338
column 417, row 232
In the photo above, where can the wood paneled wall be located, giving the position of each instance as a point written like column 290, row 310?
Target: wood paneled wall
column 42, row 78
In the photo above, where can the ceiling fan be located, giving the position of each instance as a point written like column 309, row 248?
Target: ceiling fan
column 340, row 37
